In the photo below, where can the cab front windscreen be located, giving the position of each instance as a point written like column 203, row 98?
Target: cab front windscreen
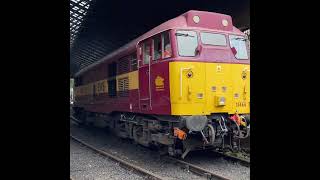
column 188, row 41
column 238, row 46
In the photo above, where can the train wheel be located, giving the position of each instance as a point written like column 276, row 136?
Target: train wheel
column 137, row 133
column 119, row 126
column 211, row 134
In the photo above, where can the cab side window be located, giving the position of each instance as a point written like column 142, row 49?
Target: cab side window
column 157, row 47
column 167, row 51
column 134, row 62
column 146, row 52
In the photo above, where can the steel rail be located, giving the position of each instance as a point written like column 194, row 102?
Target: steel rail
column 75, row 120
column 198, row 170
column 242, row 161
column 125, row 164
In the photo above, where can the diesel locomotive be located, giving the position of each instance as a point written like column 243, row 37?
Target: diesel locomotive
column 183, row 85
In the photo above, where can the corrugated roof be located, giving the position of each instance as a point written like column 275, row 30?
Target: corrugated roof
column 78, row 11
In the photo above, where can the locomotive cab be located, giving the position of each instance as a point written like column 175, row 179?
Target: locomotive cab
column 210, row 77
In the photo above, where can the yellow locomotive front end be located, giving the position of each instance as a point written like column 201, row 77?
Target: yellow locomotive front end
column 210, row 88
column 201, row 88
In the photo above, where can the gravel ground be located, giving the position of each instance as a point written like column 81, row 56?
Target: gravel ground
column 150, row 160
column 85, row 164
column 218, row 164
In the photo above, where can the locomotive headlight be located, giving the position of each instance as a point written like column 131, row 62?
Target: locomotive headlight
column 222, row 101
column 190, row 74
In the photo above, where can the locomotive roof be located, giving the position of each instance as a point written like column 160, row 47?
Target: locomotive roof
column 209, row 21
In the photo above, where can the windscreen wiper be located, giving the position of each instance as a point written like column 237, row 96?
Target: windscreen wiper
column 185, row 35
column 241, row 39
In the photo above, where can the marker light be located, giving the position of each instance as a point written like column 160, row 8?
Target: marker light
column 224, row 89
column 199, row 95
column 225, row 22
column 196, row 19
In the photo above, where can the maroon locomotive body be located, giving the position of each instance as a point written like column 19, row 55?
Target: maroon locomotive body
column 161, row 88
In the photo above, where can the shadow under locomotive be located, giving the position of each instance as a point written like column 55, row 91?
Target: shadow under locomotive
column 176, row 135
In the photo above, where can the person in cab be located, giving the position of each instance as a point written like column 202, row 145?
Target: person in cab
column 167, row 51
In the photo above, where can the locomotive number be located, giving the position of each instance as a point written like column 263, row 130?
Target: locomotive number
column 241, row 104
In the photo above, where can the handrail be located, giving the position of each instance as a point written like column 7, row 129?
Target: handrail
column 181, row 70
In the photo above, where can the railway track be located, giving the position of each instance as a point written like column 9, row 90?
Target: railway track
column 125, row 164
column 197, row 170
column 75, row 120
column 149, row 175
column 242, row 161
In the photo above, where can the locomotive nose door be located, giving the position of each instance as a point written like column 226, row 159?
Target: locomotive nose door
column 145, row 56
